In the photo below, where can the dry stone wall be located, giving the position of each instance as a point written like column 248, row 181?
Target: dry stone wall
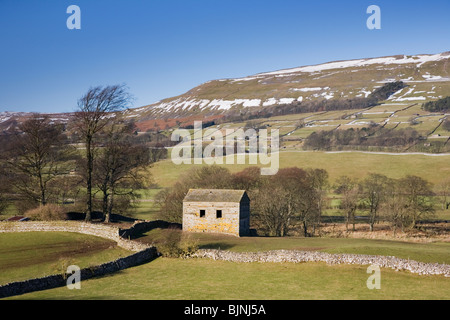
column 59, row 280
column 93, row 229
column 293, row 256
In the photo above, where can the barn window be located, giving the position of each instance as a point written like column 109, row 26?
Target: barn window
column 219, row 214
column 202, row 213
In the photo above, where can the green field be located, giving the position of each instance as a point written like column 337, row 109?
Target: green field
column 179, row 279
column 36, row 254
column 435, row 169
column 198, row 279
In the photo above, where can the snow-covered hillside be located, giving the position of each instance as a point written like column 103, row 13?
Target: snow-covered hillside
column 427, row 77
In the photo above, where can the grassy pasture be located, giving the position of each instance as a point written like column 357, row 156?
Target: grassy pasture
column 354, row 164
column 358, row 165
column 36, row 254
column 179, row 279
column 198, row 279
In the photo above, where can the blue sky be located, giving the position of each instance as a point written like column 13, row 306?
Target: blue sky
column 162, row 48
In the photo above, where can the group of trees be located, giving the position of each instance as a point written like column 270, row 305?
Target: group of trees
column 290, row 198
column 294, row 199
column 41, row 166
column 441, row 105
column 365, row 137
column 401, row 202
column 34, row 161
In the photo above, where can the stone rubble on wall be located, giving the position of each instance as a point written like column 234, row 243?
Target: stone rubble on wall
column 293, row 256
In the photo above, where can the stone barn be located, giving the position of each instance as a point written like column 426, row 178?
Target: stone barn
column 217, row 211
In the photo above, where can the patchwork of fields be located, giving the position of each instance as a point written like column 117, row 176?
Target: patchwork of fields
column 295, row 128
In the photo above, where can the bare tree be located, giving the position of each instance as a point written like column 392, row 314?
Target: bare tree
column 36, row 157
column 247, row 179
column 284, row 198
column 319, row 181
column 373, row 193
column 394, row 206
column 443, row 191
column 273, row 213
column 350, row 191
column 170, row 202
column 117, row 168
column 418, row 198
column 95, row 111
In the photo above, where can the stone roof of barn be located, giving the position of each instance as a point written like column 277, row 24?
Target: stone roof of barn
column 214, row 195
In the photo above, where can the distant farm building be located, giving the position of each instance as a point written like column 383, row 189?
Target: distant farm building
column 217, row 211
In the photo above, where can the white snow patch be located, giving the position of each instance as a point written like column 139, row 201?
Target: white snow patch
column 248, row 102
column 221, row 104
column 270, row 102
column 286, row 100
column 327, row 96
column 435, row 78
column 227, row 104
column 309, row 89
column 419, row 60
column 244, row 79
column 411, row 99
column 365, row 93
column 358, row 123
column 204, row 103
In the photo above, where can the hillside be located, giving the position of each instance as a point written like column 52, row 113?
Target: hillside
column 427, row 78
column 10, row 120
column 310, row 99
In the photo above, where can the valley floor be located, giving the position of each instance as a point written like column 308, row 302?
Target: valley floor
column 203, row 279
